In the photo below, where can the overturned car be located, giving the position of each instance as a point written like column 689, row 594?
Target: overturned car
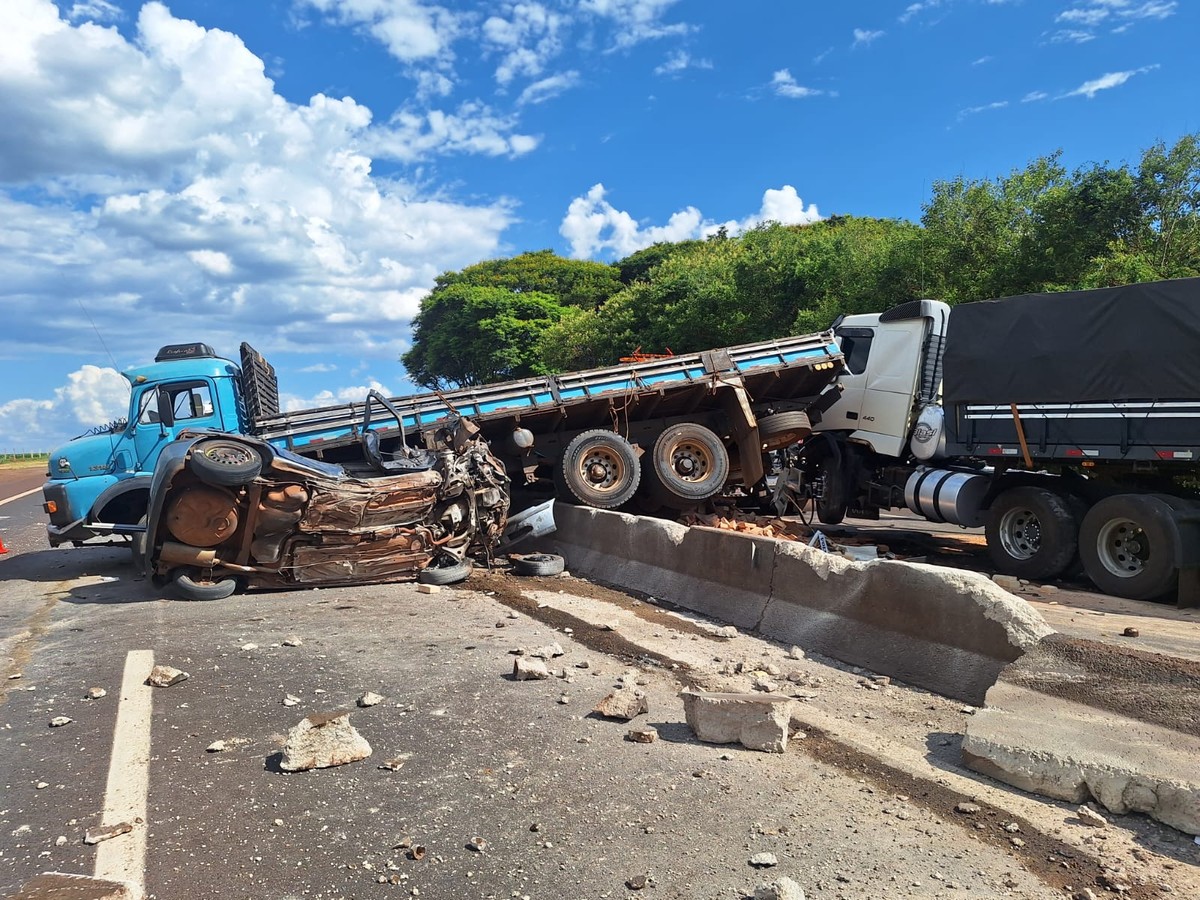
column 229, row 512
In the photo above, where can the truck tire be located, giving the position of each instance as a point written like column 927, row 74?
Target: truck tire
column 689, row 464
column 1128, row 546
column 225, row 463
column 137, row 547
column 783, row 429
column 1031, row 533
column 835, row 497
column 192, row 584
column 539, row 564
column 445, row 570
column 600, row 468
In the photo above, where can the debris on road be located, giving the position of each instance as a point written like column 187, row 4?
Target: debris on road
column 290, row 700
column 60, row 721
column 642, row 735
column 370, row 698
column 216, row 747
column 477, row 844
column 166, row 676
column 637, row 882
column 292, row 641
column 1010, row 583
column 967, row 809
column 1130, row 632
column 624, row 703
column 550, row 651
column 764, row 860
column 95, row 693
column 248, row 647
column 1089, row 816
column 321, row 741
column 106, row 832
column 756, row 721
column 526, row 669
column 428, row 589
column 780, row 889
column 396, row 763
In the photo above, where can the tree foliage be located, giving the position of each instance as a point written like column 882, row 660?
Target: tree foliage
column 1038, row 228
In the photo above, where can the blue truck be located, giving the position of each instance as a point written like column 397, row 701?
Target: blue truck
column 667, row 432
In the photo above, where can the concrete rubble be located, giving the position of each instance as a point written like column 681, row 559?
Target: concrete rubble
column 528, row 669
column 166, row 676
column 106, row 832
column 625, row 703
column 756, row 721
column 321, row 741
column 370, row 698
column 780, row 889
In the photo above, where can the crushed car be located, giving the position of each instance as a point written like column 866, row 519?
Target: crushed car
column 229, row 512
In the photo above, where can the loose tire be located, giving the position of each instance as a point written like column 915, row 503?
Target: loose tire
column 689, row 464
column 783, row 429
column 445, row 570
column 1031, row 533
column 1128, row 545
column 542, row 564
column 225, row 463
column 600, row 468
column 193, row 584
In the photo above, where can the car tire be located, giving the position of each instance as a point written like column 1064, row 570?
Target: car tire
column 445, row 570
column 539, row 564
column 225, row 463
column 192, row 584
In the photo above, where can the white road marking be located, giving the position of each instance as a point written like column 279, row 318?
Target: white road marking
column 19, row 496
column 124, row 858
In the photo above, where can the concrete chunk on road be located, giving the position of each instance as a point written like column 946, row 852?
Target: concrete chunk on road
column 165, row 676
column 527, row 669
column 106, row 832
column 72, row 887
column 321, row 741
column 781, row 889
column 625, row 703
column 756, row 721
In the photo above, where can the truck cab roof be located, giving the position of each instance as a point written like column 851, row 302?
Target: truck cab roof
column 171, row 369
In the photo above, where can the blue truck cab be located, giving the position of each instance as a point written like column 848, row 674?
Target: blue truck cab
column 99, row 483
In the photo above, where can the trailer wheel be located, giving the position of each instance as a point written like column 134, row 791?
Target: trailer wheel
column 783, row 429
column 600, row 468
column 225, row 463
column 1031, row 533
column 190, row 583
column 1128, row 546
column 445, row 570
column 689, row 464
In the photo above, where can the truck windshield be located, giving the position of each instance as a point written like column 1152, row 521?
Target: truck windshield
column 192, row 400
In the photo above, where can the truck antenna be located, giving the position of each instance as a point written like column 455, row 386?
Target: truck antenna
column 99, row 336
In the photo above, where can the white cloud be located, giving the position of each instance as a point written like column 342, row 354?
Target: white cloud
column 92, row 396
column 679, row 61
column 161, row 181
column 915, row 9
column 975, row 110
column 1106, row 82
column 353, row 394
column 983, row 60
column 1084, row 18
column 785, row 85
column 410, row 30
column 1034, row 96
column 863, row 38
column 635, row 21
column 593, row 226
column 320, row 367
column 94, row 11
column 548, row 88
column 526, row 40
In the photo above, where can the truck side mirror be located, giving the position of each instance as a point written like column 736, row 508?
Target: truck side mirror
column 166, row 411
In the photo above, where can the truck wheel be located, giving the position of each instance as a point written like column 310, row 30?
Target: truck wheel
column 1128, row 546
column 193, row 584
column 1031, row 533
column 225, row 463
column 689, row 464
column 138, row 547
column 445, row 570
column 834, row 499
column 783, row 429
column 600, row 468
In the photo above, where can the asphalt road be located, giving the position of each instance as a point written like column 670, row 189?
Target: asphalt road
column 566, row 807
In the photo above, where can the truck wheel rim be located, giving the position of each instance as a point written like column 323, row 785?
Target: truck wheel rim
column 1122, row 547
column 227, row 456
column 602, row 470
column 691, row 462
column 1020, row 533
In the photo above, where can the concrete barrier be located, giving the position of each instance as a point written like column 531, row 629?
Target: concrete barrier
column 941, row 629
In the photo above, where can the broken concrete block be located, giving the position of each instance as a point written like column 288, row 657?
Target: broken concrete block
column 95, row 693
column 216, row 747
column 527, row 669
column 323, row 740
column 1010, row 583
column 1089, row 816
column 550, row 651
column 780, row 889
column 165, row 676
column 370, row 698
column 625, row 703
column 756, row 721
column 642, row 735
column 60, row 721
column 106, row 832
column 428, row 589
column 764, row 860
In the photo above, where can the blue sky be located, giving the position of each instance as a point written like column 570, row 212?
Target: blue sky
column 295, row 172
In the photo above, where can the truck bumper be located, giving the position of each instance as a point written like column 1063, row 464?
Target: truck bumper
column 69, row 533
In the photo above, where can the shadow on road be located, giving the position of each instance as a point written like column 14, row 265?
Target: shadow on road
column 107, row 574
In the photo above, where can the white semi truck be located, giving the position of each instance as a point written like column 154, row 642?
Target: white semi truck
column 1067, row 425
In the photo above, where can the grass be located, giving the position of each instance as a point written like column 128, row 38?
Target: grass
column 23, row 460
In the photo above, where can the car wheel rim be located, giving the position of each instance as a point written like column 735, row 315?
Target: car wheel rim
column 227, row 456
column 1122, row 548
column 1020, row 533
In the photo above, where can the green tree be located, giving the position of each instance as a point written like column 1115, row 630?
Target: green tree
column 1168, row 187
column 469, row 335
column 572, row 282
